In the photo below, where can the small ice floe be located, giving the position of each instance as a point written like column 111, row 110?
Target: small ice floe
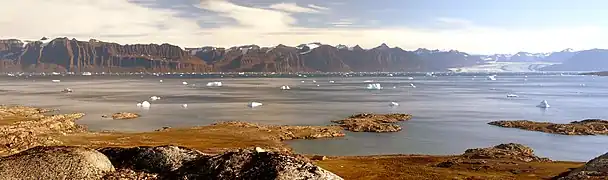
column 394, row 87
column 412, row 85
column 144, row 104
column 214, row 84
column 254, row 104
column 543, row 104
column 184, row 105
column 313, row 81
column 393, row 104
column 185, row 83
column 512, row 95
column 160, row 81
column 410, row 78
column 154, row 98
column 285, row 87
column 492, row 78
column 55, row 80
column 67, row 90
column 390, row 75
column 318, row 85
column 368, row 81
column 332, row 81
column 376, row 86
column 138, row 105
column 303, row 81
column 582, row 85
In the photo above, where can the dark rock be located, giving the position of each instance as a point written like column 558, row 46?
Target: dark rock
column 319, row 158
column 584, row 127
column 248, row 164
column 508, row 151
column 373, row 122
column 128, row 174
column 55, row 162
column 596, row 168
column 160, row 159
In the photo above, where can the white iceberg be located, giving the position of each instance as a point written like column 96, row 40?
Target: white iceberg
column 332, row 81
column 154, row 98
column 492, row 78
column 185, row 83
column 285, row 87
column 368, row 81
column 512, row 95
column 393, row 104
column 412, row 85
column 410, row 78
column 254, row 104
column 184, row 105
column 145, row 104
column 138, row 104
column 55, row 80
column 543, row 104
column 313, row 81
column 214, row 84
column 303, row 81
column 160, row 80
column 375, row 86
column 67, row 90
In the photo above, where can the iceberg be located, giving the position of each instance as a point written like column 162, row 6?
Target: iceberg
column 543, row 104
column 145, row 104
column 512, row 95
column 368, row 81
column 184, row 105
column 55, row 80
column 393, row 104
column 154, row 98
column 332, row 81
column 410, row 78
column 185, row 83
column 285, row 87
column 412, row 85
column 67, row 90
column 492, row 78
column 254, row 104
column 214, row 84
column 160, row 81
column 375, row 86
column 138, row 104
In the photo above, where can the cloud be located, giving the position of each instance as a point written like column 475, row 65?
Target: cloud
column 293, row 8
column 318, row 7
column 124, row 21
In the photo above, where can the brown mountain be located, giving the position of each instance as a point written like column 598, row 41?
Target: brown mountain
column 63, row 54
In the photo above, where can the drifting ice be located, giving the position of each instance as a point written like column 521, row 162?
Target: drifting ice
column 393, row 104
column 185, row 83
column 332, row 81
column 214, row 84
column 145, row 104
column 67, row 90
column 374, row 86
column 512, row 95
column 492, row 78
column 184, row 105
column 160, row 80
column 254, row 104
column 543, row 104
column 285, row 87
column 55, row 80
column 410, row 78
column 412, row 85
column 154, row 98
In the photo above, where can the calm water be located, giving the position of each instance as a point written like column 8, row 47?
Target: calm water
column 450, row 112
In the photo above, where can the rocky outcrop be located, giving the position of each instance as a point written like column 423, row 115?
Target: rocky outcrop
column 124, row 115
column 29, row 127
column 160, row 159
column 584, row 127
column 281, row 132
column 504, row 151
column 596, row 168
column 373, row 122
column 246, row 164
column 57, row 162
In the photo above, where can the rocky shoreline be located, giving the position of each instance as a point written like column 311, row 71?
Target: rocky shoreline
column 584, row 127
column 51, row 146
column 373, row 122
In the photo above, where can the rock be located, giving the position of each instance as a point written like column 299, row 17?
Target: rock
column 596, row 168
column 259, row 150
column 508, row 151
column 160, row 159
column 584, row 127
column 373, row 122
column 247, row 164
column 284, row 132
column 55, row 162
column 124, row 115
column 128, row 174
column 319, row 158
column 165, row 128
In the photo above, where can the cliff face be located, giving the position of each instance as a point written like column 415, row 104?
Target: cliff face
column 63, row 54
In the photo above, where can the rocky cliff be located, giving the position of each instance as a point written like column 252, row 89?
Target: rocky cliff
column 63, row 54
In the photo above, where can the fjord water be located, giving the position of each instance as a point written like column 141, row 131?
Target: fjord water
column 450, row 112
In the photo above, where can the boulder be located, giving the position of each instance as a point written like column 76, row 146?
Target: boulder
column 596, row 168
column 160, row 159
column 55, row 162
column 247, row 164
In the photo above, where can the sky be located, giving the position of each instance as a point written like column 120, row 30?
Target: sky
column 473, row 26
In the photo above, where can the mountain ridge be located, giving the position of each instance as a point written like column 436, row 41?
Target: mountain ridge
column 63, row 54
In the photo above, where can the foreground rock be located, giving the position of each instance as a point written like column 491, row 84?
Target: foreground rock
column 597, row 168
column 584, row 127
column 373, row 122
column 26, row 127
column 246, row 164
column 161, row 159
column 58, row 162
column 124, row 115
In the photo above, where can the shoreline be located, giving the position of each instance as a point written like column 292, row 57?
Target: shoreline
column 51, row 130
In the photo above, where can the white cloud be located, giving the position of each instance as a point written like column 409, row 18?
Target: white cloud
column 124, row 22
column 292, row 8
column 318, row 7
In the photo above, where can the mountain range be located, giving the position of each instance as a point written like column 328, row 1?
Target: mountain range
column 63, row 54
